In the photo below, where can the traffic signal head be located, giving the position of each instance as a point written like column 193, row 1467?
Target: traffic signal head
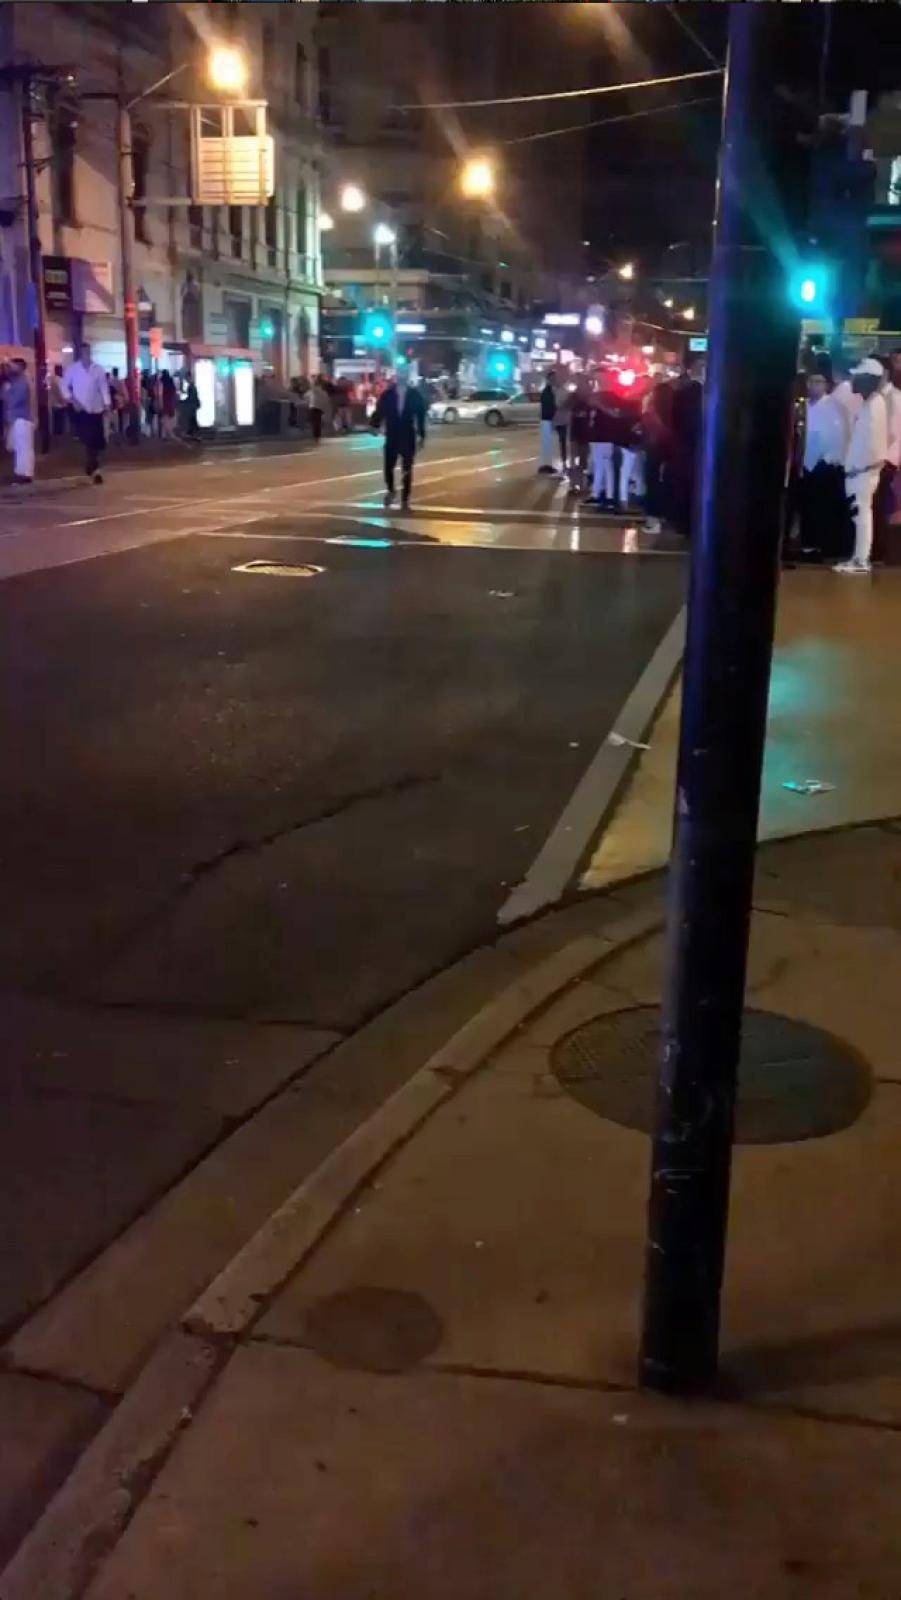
column 378, row 329
column 500, row 366
column 810, row 288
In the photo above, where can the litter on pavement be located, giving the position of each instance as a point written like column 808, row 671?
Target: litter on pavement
column 621, row 739
column 503, row 594
column 808, row 786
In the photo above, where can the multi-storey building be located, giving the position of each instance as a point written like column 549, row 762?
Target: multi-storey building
column 211, row 277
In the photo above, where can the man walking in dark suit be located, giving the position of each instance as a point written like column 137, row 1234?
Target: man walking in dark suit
column 402, row 410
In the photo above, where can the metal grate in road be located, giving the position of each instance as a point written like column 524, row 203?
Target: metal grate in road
column 795, row 1081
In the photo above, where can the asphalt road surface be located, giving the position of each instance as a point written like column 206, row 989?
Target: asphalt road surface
column 251, row 797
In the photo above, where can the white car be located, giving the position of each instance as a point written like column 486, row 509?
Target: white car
column 495, row 407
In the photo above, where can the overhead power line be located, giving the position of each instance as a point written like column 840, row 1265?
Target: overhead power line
column 676, row 14
column 560, row 94
column 605, row 122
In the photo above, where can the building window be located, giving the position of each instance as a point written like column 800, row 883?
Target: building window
column 301, row 87
column 63, row 134
column 191, row 312
column 301, row 224
column 325, row 84
column 236, row 230
column 214, row 230
column 140, row 163
column 894, row 182
column 195, row 227
column 237, row 318
column 269, row 67
column 271, row 231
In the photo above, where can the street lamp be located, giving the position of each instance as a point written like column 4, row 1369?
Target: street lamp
column 382, row 234
column 227, row 70
column 477, row 179
column 326, row 222
column 627, row 270
column 668, row 302
column 689, row 313
column 352, row 197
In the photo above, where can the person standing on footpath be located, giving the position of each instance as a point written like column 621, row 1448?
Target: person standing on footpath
column 402, row 410
column 318, row 404
column 18, row 415
column 548, row 406
column 825, row 517
column 88, row 391
column 687, row 413
column 561, row 422
column 59, row 405
column 579, row 435
column 657, row 420
column 866, row 457
column 886, row 497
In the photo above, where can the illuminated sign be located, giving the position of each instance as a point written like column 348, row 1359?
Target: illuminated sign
column 562, row 319
column 411, row 327
column 245, row 407
column 205, row 383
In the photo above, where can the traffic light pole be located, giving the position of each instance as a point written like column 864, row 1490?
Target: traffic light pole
column 735, row 561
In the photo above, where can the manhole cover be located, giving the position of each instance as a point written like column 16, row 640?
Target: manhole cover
column 375, row 1330
column 278, row 569
column 795, row 1081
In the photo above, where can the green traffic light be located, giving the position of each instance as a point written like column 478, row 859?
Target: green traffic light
column 810, row 288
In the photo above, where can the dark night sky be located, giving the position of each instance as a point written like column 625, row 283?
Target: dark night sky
column 649, row 182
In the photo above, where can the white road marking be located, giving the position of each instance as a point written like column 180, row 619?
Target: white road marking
column 558, row 859
column 280, row 488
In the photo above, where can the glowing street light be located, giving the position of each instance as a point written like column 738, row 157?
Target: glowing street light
column 352, row 197
column 668, row 302
column 227, row 69
column 326, row 222
column 594, row 325
column 627, row 270
column 382, row 234
column 477, row 180
column 689, row 313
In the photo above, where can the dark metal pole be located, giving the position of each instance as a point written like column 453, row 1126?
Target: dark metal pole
column 753, row 344
column 36, row 261
column 126, row 249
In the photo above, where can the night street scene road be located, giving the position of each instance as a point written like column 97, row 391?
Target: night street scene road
column 450, row 815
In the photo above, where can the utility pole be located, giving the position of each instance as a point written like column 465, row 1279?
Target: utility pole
column 752, row 360
column 36, row 263
column 126, row 249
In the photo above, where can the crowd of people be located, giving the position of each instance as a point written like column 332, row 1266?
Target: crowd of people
column 846, row 482
column 623, row 442
column 93, row 405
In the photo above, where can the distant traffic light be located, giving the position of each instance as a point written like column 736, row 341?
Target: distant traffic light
column 378, row 329
column 500, row 366
column 810, row 288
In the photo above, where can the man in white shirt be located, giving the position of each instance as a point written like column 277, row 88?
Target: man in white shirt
column 826, row 528
column 865, row 459
column 85, row 384
column 887, row 492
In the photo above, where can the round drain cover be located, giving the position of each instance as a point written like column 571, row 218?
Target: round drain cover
column 795, row 1081
column 375, row 1330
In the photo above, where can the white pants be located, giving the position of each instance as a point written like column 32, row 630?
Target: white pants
column 862, row 488
column 546, row 450
column 21, row 444
column 602, row 485
column 631, row 472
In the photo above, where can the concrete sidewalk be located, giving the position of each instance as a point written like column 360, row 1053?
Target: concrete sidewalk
column 418, row 1380
column 834, row 714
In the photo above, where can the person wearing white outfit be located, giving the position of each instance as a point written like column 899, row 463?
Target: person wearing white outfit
column 865, row 459
column 826, row 528
column 19, row 418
